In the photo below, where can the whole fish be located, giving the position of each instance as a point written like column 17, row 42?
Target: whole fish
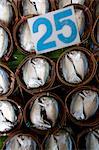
column 4, row 81
column 21, row 142
column 74, row 67
column 25, row 38
column 37, row 7
column 37, row 118
column 3, row 42
column 49, row 106
column 84, row 104
column 92, row 141
column 35, row 72
column 7, row 116
column 59, row 141
column 6, row 12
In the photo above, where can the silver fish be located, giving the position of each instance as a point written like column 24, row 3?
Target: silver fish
column 41, row 6
column 84, row 104
column 6, row 12
column 50, row 106
column 25, row 38
column 21, row 142
column 92, row 141
column 29, row 8
column 35, row 72
column 3, row 42
column 80, row 18
column 74, row 66
column 7, row 116
column 59, row 141
column 4, row 81
column 37, row 118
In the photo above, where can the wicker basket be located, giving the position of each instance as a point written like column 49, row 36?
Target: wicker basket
column 24, row 133
column 92, row 67
column 81, row 137
column 90, row 122
column 11, row 78
column 58, row 130
column 48, row 84
column 15, row 35
column 61, row 118
column 19, row 120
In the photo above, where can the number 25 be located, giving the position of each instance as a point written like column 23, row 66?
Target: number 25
column 60, row 20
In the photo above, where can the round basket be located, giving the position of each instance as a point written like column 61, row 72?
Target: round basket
column 74, row 147
column 11, row 78
column 19, row 113
column 60, row 120
column 92, row 67
column 90, row 122
column 46, row 86
column 94, row 32
column 81, row 138
column 23, row 133
column 23, row 20
column 7, row 55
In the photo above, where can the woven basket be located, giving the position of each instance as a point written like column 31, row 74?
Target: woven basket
column 55, row 132
column 92, row 67
column 48, row 84
column 90, row 122
column 10, row 43
column 19, row 120
column 24, row 133
column 81, row 137
column 15, row 35
column 61, row 118
column 11, row 78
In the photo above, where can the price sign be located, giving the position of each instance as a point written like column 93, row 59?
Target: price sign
column 54, row 30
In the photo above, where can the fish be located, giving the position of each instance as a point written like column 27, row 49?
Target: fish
column 84, row 104
column 63, row 3
column 35, row 72
column 3, row 42
column 7, row 116
column 59, row 141
column 4, row 81
column 80, row 19
column 74, row 66
column 21, row 142
column 76, row 107
column 92, row 141
column 25, row 38
column 51, row 107
column 31, row 7
column 37, row 118
column 39, row 4
column 28, row 8
column 6, row 11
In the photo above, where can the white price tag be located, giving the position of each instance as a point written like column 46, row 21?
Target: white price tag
column 54, row 30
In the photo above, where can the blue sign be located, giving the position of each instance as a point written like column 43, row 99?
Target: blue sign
column 54, row 30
